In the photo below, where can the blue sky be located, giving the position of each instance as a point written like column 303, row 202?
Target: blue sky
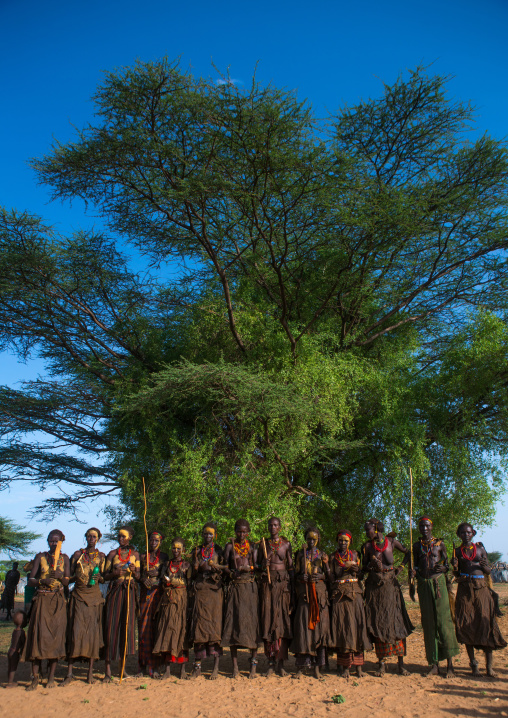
column 53, row 55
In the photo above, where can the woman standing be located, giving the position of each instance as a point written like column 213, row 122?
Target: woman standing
column 475, row 619
column 122, row 566
column 151, row 571
column 311, row 630
column 348, row 623
column 84, row 632
column 206, row 625
column 241, row 620
column 171, row 618
column 48, row 618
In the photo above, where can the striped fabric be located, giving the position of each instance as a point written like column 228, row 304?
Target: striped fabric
column 350, row 659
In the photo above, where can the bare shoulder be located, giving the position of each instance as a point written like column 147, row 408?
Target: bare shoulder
column 112, row 553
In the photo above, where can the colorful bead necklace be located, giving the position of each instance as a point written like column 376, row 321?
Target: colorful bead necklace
column 274, row 544
column 469, row 558
column 242, row 549
column 207, row 553
column 124, row 560
column 174, row 568
column 380, row 548
column 89, row 556
column 342, row 558
column 427, row 546
column 155, row 562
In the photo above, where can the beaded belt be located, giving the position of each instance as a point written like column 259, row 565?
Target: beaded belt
column 471, row 575
column 49, row 590
column 347, row 580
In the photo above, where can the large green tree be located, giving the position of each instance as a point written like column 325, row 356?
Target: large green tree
column 324, row 306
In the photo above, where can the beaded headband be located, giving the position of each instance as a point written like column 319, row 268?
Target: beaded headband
column 425, row 518
column 345, row 533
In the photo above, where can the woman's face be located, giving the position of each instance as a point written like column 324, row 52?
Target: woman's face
column 154, row 542
column 312, row 540
column 466, row 534
column 342, row 544
column 123, row 538
column 53, row 540
column 241, row 533
column 208, row 536
column 91, row 539
column 176, row 550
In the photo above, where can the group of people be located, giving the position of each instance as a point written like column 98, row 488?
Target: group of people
column 254, row 593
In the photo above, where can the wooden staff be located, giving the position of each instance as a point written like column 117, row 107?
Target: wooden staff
column 411, row 580
column 304, row 559
column 234, row 552
column 57, row 555
column 266, row 559
column 146, row 530
column 126, row 627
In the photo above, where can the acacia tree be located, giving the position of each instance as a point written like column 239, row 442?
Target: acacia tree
column 341, row 315
column 15, row 539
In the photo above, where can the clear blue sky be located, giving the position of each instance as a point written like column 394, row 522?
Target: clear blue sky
column 53, row 54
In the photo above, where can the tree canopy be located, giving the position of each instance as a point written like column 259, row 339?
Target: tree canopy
column 15, row 540
column 322, row 304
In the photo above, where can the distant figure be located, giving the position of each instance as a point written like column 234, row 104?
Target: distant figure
column 16, row 647
column 11, row 581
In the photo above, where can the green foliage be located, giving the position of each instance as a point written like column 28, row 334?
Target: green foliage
column 14, row 540
column 494, row 556
column 339, row 314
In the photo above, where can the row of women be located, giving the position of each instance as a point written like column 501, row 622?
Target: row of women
column 249, row 594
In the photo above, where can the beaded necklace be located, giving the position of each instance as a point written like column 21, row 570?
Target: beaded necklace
column 341, row 558
column 380, row 548
column 469, row 558
column 427, row 546
column 89, row 556
column 176, row 567
column 242, row 549
column 124, row 560
column 207, row 553
column 153, row 563
column 274, row 544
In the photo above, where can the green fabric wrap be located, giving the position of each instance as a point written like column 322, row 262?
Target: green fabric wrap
column 438, row 627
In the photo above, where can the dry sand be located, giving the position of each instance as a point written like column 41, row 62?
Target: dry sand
column 388, row 697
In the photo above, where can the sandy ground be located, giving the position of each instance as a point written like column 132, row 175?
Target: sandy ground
column 389, row 697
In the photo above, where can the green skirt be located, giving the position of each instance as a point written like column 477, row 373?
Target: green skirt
column 438, row 627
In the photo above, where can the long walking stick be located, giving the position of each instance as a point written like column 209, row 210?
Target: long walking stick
column 266, row 559
column 126, row 628
column 304, row 559
column 144, row 521
column 411, row 580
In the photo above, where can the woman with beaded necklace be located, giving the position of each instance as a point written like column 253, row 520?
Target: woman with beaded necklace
column 84, row 630
column 388, row 622
column 122, row 565
column 475, row 619
column 149, row 595
column 171, row 618
column 311, row 630
column 48, row 614
column 206, row 623
column 349, row 635
column 241, row 619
